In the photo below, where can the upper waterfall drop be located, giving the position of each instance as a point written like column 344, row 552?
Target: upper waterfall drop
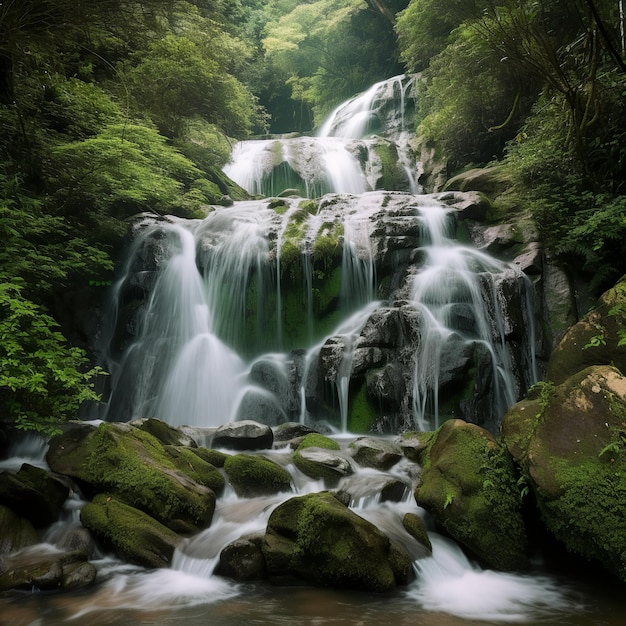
column 348, row 155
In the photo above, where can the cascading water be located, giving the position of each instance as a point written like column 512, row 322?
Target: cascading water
column 232, row 302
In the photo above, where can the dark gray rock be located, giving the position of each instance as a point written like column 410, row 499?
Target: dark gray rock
column 243, row 435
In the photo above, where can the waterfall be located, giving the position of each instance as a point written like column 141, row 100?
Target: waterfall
column 366, row 290
column 456, row 292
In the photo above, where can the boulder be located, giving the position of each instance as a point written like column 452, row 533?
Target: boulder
column 315, row 538
column 322, row 464
column 166, row 434
column 291, row 430
column 253, row 476
column 597, row 339
column 469, row 485
column 377, row 453
column 415, row 526
column 46, row 569
column 194, row 463
column 133, row 465
column 243, row 435
column 33, row 493
column 15, row 532
column 242, row 560
column 130, row 533
column 570, row 443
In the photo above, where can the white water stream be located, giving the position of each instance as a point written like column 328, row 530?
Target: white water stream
column 447, row 582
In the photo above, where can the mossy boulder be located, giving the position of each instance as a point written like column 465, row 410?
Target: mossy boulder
column 192, row 461
column 492, row 181
column 317, row 539
column 599, row 338
column 215, row 457
column 415, row 526
column 33, row 493
column 166, row 434
column 134, row 465
column 317, row 440
column 570, row 443
column 469, row 485
column 131, row 533
column 252, row 476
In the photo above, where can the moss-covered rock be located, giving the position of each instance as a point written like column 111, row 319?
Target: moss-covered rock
column 492, row 181
column 318, row 457
column 599, row 338
column 317, row 440
column 133, row 535
column 570, row 442
column 216, row 458
column 468, row 484
column 133, row 465
column 47, row 569
column 252, row 475
column 317, row 539
column 192, row 462
column 414, row 525
column 361, row 412
column 166, row 434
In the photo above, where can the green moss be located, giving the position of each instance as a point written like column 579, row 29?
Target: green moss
column 415, row 526
column 469, row 484
column 191, row 463
column 361, row 413
column 310, row 207
column 279, row 205
column 591, row 490
column 214, row 457
column 252, row 475
column 327, row 544
column 132, row 465
column 328, row 245
column 131, row 533
column 315, row 440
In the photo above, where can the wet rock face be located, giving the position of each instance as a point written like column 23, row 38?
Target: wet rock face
column 33, row 493
column 316, row 265
column 568, row 440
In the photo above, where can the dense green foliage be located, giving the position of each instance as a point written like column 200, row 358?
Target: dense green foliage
column 540, row 86
column 107, row 109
